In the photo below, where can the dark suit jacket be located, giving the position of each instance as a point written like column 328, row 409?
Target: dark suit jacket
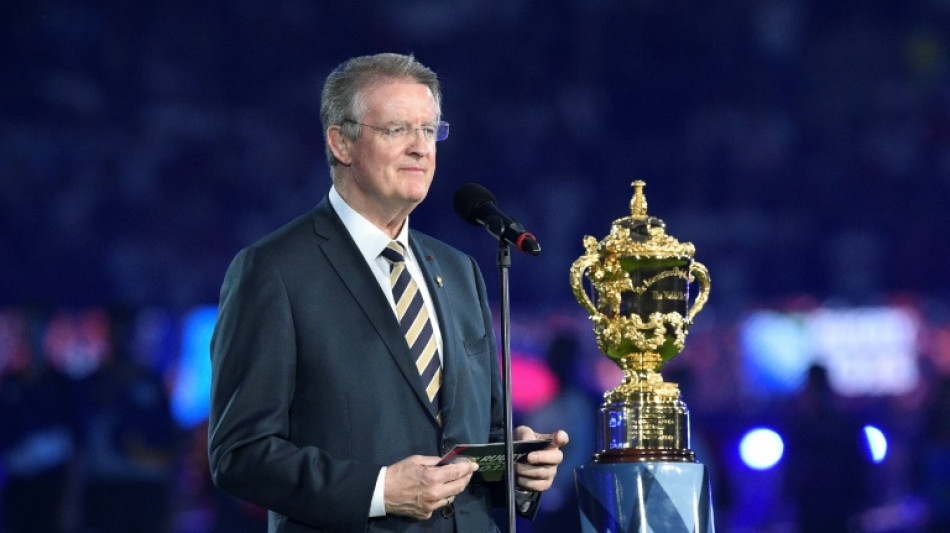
column 314, row 389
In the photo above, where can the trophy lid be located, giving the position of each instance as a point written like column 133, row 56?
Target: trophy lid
column 641, row 236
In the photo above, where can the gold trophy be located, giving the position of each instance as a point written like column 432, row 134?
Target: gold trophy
column 641, row 279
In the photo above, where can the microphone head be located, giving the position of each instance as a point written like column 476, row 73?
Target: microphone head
column 528, row 243
column 468, row 198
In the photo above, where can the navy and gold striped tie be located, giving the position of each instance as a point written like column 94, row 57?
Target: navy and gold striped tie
column 416, row 326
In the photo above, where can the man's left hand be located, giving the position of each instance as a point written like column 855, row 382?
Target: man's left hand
column 537, row 474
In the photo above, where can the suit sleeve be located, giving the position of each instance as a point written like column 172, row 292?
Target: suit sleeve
column 253, row 354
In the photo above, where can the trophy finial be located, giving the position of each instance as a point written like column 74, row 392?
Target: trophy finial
column 638, row 205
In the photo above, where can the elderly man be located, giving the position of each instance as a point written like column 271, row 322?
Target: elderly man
column 352, row 352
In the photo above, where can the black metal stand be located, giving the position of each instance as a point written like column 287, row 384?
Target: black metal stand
column 504, row 263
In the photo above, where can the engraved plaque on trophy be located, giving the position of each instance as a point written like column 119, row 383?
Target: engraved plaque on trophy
column 639, row 302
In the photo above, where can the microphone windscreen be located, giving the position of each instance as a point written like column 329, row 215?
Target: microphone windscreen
column 467, row 199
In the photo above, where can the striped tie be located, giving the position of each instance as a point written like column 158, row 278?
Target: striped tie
column 414, row 321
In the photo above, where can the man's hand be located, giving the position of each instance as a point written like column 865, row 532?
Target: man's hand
column 537, row 474
column 415, row 487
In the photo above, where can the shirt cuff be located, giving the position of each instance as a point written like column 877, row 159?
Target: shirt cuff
column 524, row 499
column 378, row 506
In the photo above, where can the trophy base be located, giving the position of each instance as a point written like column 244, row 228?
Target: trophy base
column 644, row 498
column 650, row 455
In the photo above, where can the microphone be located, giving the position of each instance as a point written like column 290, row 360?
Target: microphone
column 477, row 207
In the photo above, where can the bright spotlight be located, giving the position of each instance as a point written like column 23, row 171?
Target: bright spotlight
column 761, row 448
column 877, row 443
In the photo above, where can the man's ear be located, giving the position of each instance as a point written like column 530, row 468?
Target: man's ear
column 339, row 145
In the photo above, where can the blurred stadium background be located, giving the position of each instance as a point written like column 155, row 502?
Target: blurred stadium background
column 802, row 146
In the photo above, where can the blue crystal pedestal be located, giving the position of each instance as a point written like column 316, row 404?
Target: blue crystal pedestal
column 644, row 497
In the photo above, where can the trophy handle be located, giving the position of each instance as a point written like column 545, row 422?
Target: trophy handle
column 701, row 273
column 578, row 269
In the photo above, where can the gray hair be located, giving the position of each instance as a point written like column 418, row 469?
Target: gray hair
column 342, row 97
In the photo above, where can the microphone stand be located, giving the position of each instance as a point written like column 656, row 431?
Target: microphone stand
column 504, row 264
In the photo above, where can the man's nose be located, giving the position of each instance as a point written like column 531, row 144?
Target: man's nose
column 418, row 143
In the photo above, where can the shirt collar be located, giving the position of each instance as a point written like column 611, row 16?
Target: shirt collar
column 369, row 239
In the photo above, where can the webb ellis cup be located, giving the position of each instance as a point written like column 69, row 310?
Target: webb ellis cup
column 640, row 279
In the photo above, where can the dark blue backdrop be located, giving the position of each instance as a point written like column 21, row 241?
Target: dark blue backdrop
column 802, row 146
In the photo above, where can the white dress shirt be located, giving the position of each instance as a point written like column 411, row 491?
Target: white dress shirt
column 371, row 241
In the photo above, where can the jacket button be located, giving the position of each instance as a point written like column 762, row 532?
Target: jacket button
column 448, row 510
column 446, row 447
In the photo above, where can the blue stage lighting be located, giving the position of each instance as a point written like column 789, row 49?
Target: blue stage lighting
column 761, row 448
column 191, row 393
column 877, row 443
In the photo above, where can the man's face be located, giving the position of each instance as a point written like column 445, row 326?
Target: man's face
column 395, row 174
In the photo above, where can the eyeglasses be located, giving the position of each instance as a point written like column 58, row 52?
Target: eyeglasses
column 398, row 130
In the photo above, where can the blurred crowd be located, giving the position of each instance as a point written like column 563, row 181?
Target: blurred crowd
column 803, row 146
column 88, row 440
column 91, row 440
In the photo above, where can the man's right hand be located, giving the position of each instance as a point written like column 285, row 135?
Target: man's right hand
column 415, row 487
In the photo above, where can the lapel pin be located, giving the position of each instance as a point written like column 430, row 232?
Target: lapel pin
column 438, row 281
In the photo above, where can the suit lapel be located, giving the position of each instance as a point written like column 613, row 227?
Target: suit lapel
column 345, row 258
